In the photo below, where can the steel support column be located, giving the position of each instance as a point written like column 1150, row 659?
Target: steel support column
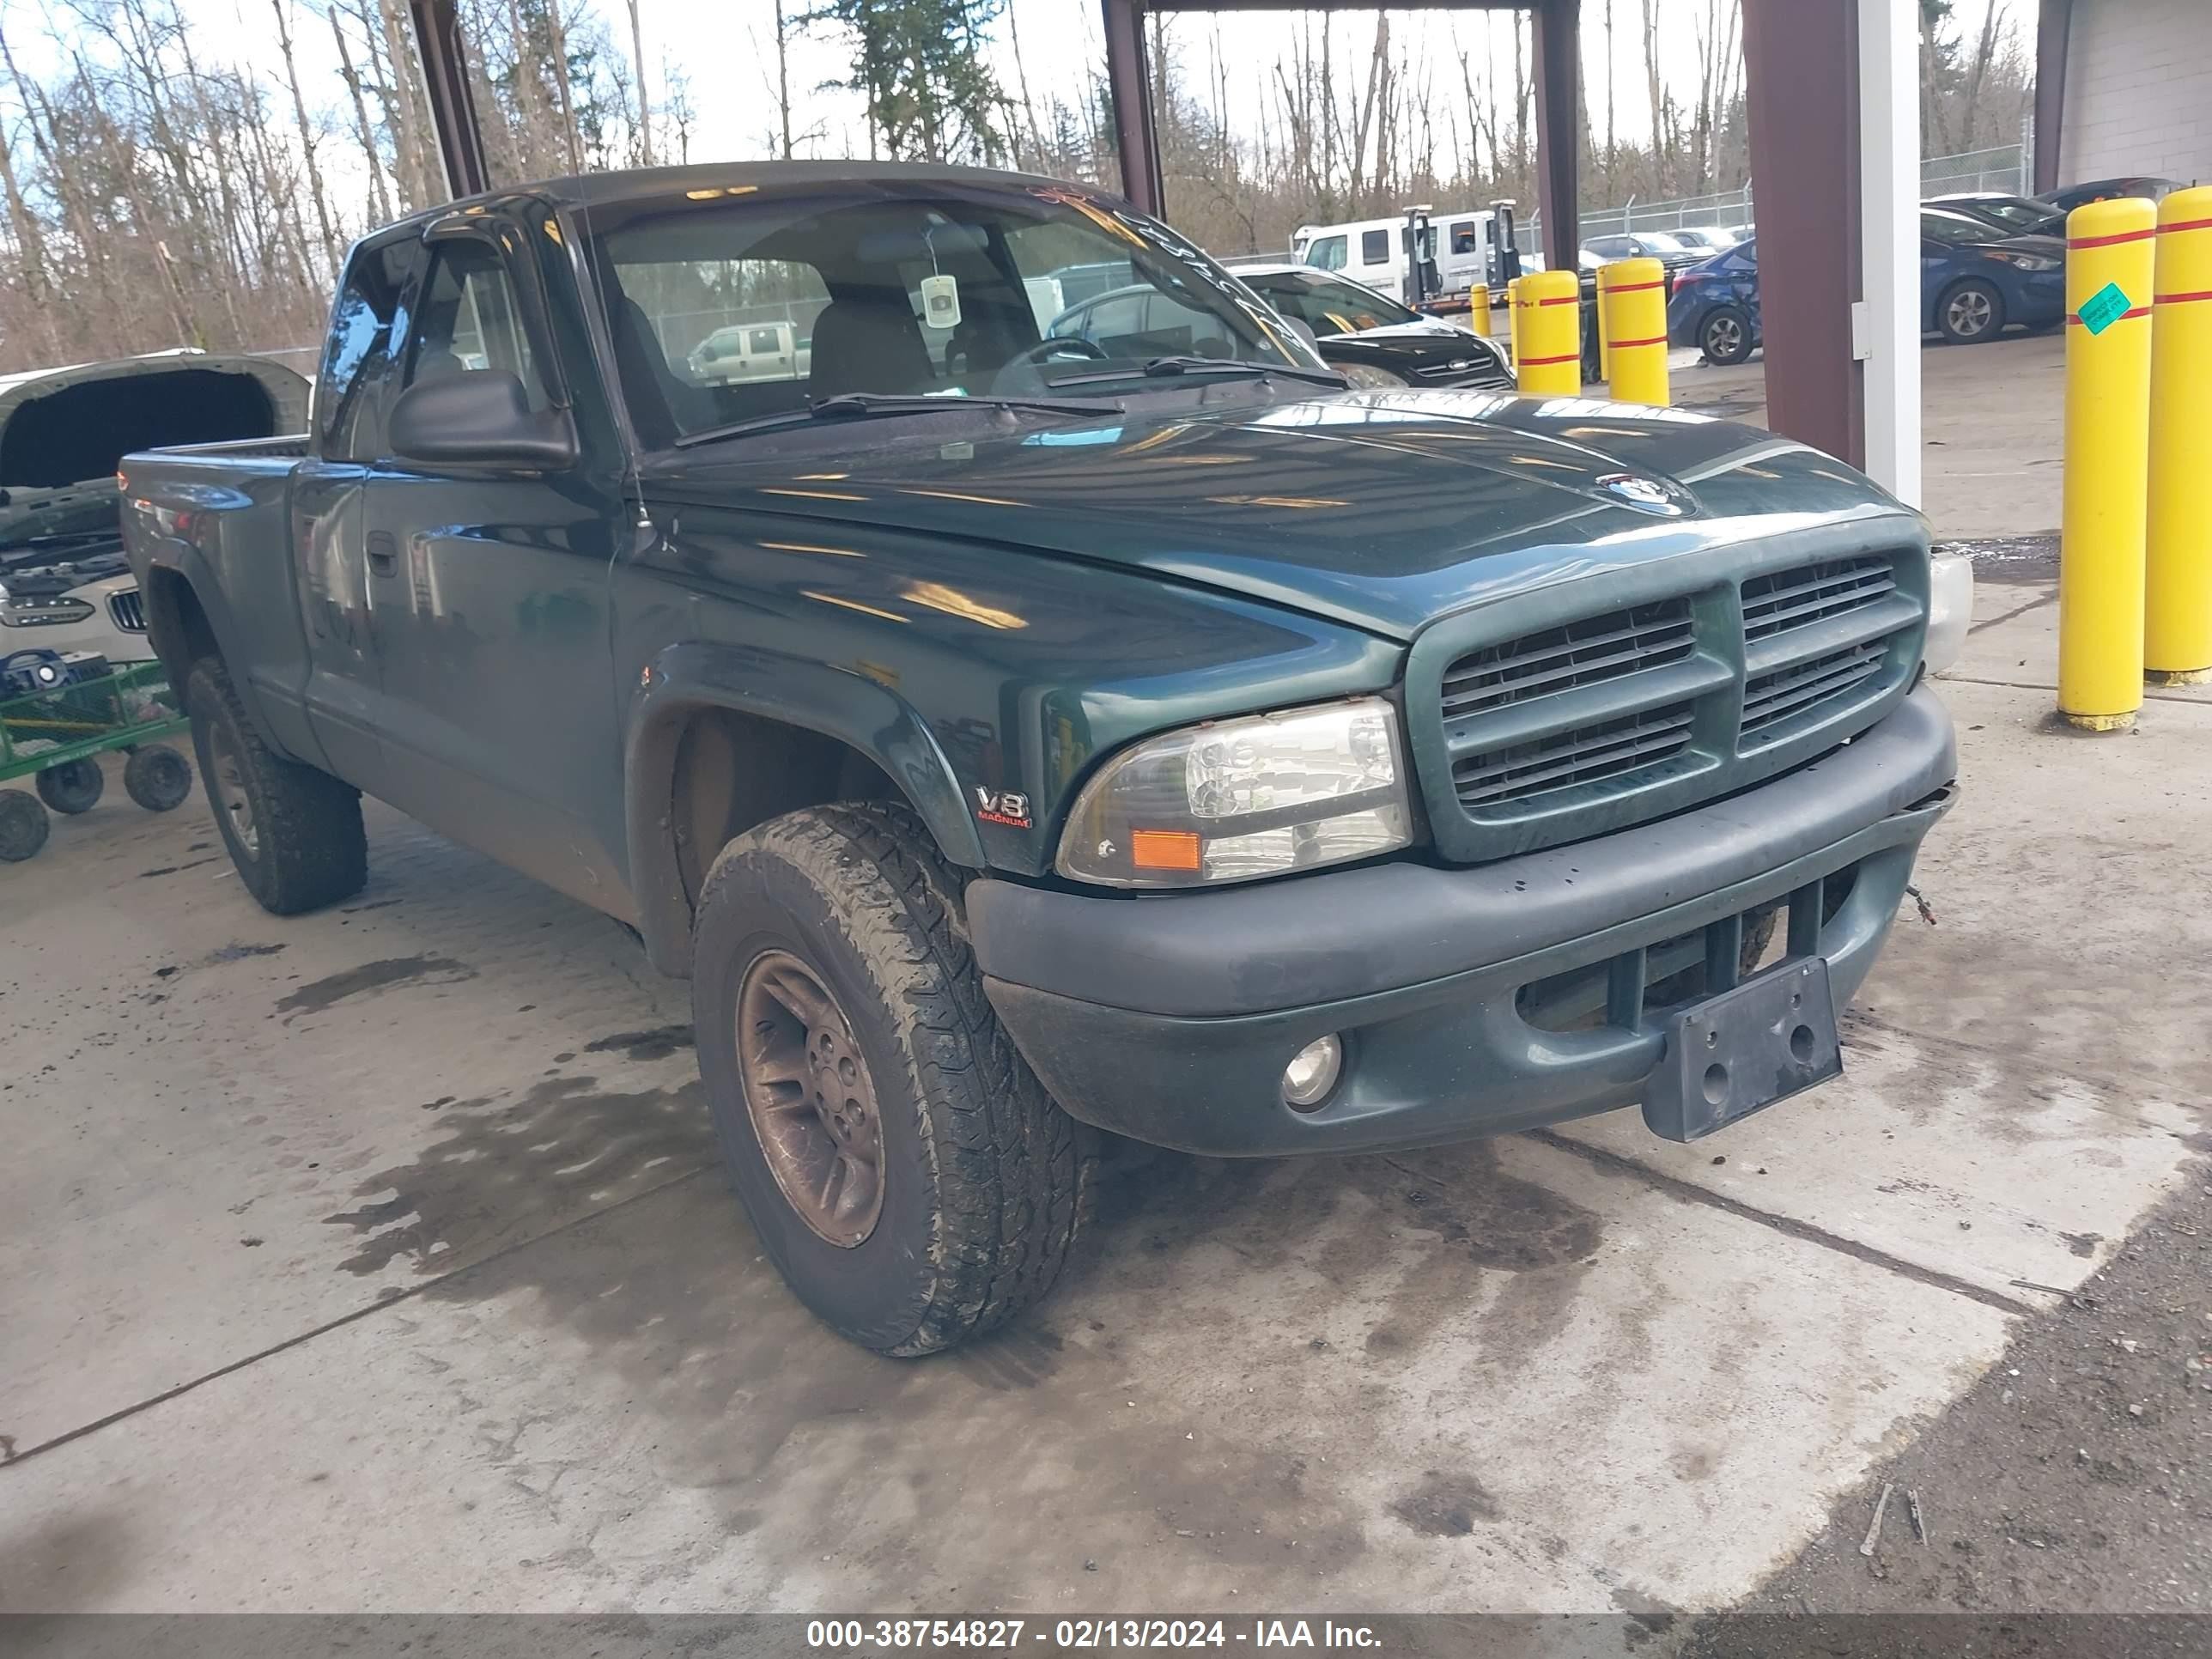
column 1129, row 82
column 2054, row 33
column 452, row 103
column 1801, row 64
column 1559, row 128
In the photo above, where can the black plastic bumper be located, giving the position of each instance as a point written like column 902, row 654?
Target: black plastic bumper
column 1169, row 1018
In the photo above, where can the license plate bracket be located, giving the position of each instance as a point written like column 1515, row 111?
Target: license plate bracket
column 1739, row 1051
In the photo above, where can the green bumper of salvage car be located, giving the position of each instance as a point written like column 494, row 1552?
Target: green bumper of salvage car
column 1470, row 1001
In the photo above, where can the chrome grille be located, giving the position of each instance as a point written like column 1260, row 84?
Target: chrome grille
column 1607, row 750
column 1785, row 599
column 1586, row 652
column 127, row 610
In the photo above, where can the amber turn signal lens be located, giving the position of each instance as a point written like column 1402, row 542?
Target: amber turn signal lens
column 1164, row 849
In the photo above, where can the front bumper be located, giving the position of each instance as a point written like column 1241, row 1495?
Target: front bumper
column 1470, row 1001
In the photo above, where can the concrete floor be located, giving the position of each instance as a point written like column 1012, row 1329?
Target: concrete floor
column 378, row 1260
column 1992, row 418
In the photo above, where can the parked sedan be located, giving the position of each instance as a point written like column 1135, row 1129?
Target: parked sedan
column 2107, row 190
column 1975, row 278
column 1664, row 246
column 1373, row 340
column 2018, row 214
column 1714, row 306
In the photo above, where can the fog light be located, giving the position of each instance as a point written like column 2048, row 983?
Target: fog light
column 1312, row 1072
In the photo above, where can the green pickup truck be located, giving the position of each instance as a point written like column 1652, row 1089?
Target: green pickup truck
column 1015, row 737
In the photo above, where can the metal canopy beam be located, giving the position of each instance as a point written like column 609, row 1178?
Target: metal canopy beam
column 453, row 105
column 2054, row 33
column 1800, row 79
column 1559, row 101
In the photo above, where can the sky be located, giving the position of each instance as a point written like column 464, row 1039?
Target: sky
column 725, row 50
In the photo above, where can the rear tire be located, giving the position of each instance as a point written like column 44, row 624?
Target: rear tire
column 158, row 778
column 903, row 1168
column 73, row 786
column 294, row 833
column 24, row 826
column 1725, row 336
column 1970, row 313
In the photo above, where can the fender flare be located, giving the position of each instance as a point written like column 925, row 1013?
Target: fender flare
column 171, row 562
column 833, row 702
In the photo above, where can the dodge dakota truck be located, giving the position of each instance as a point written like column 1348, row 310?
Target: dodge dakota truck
column 1015, row 738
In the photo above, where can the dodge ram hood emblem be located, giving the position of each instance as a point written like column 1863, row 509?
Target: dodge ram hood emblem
column 1645, row 495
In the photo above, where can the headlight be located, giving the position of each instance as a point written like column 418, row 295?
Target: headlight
column 1242, row 798
column 1361, row 375
column 39, row 610
column 2026, row 261
column 1950, row 608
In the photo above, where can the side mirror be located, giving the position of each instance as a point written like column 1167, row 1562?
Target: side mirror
column 480, row 417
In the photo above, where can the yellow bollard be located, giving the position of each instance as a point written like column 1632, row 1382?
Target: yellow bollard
column 1513, row 322
column 1631, row 309
column 2178, row 565
column 2100, row 554
column 1549, row 314
column 1604, row 329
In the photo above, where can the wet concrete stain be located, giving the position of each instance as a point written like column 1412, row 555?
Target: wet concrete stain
column 242, row 952
column 656, row 1044
column 1445, row 1505
column 505, row 1167
column 371, row 977
column 373, row 904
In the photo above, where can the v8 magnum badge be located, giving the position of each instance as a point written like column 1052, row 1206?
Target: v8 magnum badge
column 1007, row 807
column 1645, row 495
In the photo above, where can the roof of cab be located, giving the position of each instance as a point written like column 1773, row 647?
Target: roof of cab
column 648, row 183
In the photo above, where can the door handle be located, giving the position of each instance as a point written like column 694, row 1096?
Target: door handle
column 383, row 553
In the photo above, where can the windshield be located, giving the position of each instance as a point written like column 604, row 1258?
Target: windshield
column 1327, row 305
column 1958, row 229
column 1659, row 241
column 732, row 304
column 2010, row 210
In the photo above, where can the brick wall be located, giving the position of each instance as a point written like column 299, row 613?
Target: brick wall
column 2139, row 91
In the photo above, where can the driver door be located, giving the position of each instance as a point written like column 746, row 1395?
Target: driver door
column 498, row 712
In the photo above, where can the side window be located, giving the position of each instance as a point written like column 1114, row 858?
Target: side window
column 368, row 330
column 1374, row 247
column 1328, row 253
column 763, row 343
column 470, row 320
column 1463, row 240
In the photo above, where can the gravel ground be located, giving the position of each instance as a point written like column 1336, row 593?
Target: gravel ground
column 2075, row 1479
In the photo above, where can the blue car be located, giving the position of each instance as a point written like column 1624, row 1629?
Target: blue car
column 1715, row 306
column 1976, row 280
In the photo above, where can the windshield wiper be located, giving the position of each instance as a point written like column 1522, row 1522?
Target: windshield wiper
column 864, row 405
column 1158, row 368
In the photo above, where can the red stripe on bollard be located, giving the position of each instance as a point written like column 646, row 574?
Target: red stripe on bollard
column 2140, row 311
column 1656, row 339
column 2111, row 241
column 2185, row 224
column 1538, row 363
column 2180, row 299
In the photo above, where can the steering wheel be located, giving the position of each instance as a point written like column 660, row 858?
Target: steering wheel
column 1044, row 350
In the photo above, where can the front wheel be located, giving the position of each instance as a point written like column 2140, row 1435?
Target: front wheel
column 1972, row 313
column 24, row 826
column 157, row 777
column 904, row 1169
column 295, row 834
column 1725, row 336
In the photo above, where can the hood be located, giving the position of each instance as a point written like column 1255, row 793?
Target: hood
column 63, row 431
column 1428, row 343
column 1386, row 510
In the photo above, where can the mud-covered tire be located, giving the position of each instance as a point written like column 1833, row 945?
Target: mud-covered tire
column 157, row 778
column 985, row 1185
column 298, row 842
column 24, row 826
column 73, row 786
